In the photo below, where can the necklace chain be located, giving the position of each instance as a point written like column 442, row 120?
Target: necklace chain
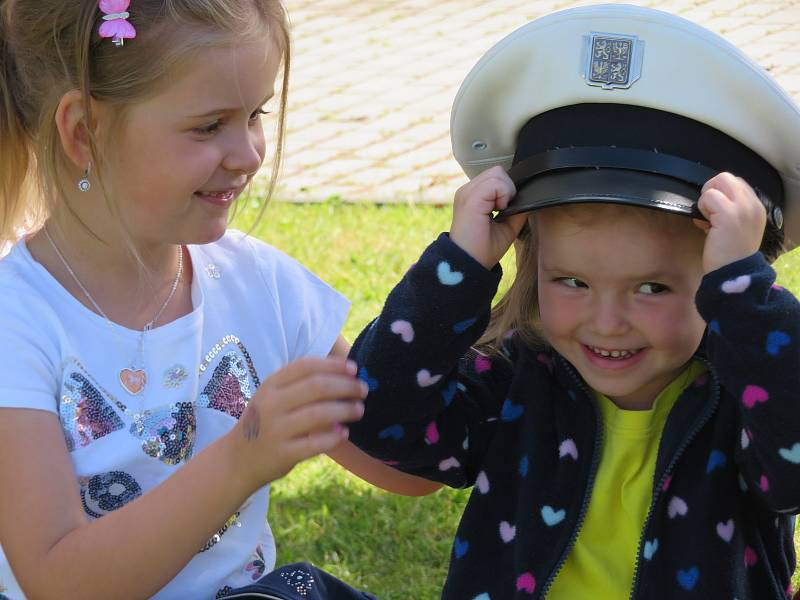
column 96, row 306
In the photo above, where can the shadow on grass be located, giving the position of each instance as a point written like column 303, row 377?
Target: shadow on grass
column 393, row 546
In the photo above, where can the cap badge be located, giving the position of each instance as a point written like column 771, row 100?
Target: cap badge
column 612, row 60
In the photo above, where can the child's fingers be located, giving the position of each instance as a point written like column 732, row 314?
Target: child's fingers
column 318, row 416
column 490, row 190
column 713, row 202
column 308, row 366
column 701, row 224
column 319, row 388
column 724, row 182
column 316, row 443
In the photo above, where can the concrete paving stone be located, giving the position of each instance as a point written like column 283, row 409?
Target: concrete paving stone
column 373, row 82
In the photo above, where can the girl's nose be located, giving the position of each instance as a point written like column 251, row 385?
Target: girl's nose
column 246, row 152
column 609, row 316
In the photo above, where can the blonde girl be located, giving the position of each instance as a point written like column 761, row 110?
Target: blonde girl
column 158, row 370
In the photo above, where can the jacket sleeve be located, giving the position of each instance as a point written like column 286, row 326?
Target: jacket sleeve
column 754, row 345
column 433, row 402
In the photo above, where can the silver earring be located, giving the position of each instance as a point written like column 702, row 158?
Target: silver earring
column 84, row 184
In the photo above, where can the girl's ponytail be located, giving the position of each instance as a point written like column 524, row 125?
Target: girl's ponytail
column 15, row 145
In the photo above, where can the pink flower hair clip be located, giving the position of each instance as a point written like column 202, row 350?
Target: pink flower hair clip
column 115, row 21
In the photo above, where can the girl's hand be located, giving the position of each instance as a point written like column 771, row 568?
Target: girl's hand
column 473, row 228
column 296, row 414
column 736, row 220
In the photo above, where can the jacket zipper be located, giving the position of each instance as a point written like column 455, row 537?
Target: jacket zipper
column 590, row 484
column 660, row 486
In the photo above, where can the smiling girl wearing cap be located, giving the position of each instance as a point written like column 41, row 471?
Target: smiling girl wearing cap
column 628, row 415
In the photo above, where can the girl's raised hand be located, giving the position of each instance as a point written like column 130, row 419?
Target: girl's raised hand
column 296, row 414
column 473, row 228
column 736, row 220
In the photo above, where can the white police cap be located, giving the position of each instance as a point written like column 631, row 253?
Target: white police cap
column 618, row 103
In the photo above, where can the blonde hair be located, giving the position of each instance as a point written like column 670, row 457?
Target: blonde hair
column 518, row 310
column 50, row 47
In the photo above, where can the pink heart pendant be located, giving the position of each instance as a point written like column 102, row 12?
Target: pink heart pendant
column 133, row 380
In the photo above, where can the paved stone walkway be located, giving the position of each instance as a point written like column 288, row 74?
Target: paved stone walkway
column 373, row 82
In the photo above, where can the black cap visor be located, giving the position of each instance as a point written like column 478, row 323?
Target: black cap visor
column 608, row 186
column 620, row 154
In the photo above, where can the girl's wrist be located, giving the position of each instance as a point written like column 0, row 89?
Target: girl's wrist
column 232, row 455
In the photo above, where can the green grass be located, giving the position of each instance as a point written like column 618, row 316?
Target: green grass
column 396, row 547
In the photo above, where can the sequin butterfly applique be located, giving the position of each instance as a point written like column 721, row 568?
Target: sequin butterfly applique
column 256, row 567
column 115, row 21
column 167, row 432
column 233, row 381
column 84, row 411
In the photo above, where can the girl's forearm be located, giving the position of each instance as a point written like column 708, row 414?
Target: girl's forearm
column 135, row 551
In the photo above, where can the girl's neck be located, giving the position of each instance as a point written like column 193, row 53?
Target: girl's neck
column 127, row 291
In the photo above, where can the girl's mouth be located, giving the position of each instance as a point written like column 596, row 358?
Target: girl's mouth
column 613, row 358
column 218, row 198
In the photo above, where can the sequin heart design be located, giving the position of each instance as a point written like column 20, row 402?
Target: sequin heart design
column 745, row 439
column 763, row 483
column 404, row 329
column 482, row 364
column 432, row 434
column 738, row 285
column 551, row 516
column 665, row 485
column 750, row 557
column 650, row 548
column 460, row 547
column 568, row 448
column 507, row 531
column 447, row 276
column 425, row 379
column 753, row 395
column 526, row 583
column 133, row 380
column 395, row 432
column 677, row 507
column 777, row 340
column 483, row 596
column 688, row 578
column 715, row 460
column 725, row 530
column 792, row 455
column 449, row 463
column 511, row 412
column 482, row 483
column 713, row 327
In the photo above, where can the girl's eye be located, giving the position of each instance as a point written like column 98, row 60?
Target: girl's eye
column 208, row 129
column 572, row 282
column 257, row 114
column 652, row 288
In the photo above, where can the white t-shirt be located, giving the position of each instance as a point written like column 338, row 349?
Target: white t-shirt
column 255, row 310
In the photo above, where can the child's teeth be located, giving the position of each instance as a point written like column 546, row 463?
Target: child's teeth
column 613, row 353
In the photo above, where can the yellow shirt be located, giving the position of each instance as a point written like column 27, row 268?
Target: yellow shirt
column 602, row 561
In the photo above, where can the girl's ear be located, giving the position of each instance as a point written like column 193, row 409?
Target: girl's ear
column 72, row 129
